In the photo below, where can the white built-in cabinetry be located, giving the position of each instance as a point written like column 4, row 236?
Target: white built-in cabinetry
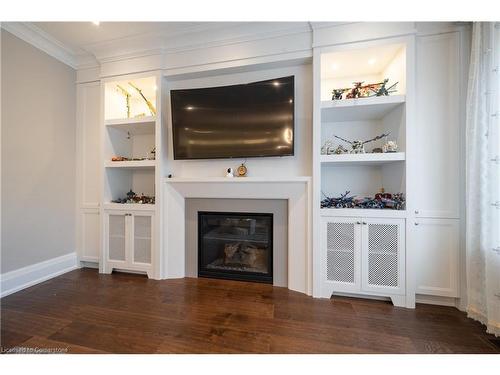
column 362, row 251
column 88, row 171
column 363, row 255
column 130, row 240
column 439, row 163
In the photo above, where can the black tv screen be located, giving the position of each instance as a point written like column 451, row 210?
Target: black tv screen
column 238, row 121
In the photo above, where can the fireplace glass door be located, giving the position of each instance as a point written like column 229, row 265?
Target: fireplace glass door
column 235, row 246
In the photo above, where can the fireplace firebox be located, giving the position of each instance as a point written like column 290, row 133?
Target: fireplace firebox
column 236, row 246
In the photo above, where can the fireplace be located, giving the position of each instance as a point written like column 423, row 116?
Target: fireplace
column 236, row 246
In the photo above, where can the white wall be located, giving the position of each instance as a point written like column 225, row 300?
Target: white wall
column 38, row 155
column 297, row 165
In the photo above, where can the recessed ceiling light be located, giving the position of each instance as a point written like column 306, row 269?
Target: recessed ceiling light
column 276, row 83
column 96, row 23
column 372, row 61
column 189, row 108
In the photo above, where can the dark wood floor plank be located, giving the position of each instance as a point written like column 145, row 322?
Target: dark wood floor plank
column 88, row 312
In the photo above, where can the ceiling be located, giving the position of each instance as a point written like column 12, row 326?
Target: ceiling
column 81, row 36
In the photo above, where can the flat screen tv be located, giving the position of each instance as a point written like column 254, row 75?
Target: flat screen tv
column 239, row 121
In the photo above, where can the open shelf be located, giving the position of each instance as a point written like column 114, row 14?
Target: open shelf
column 134, row 126
column 363, row 159
column 131, row 164
column 129, row 206
column 363, row 212
column 372, row 108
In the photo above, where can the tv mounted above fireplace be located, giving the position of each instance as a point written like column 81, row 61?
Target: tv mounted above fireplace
column 238, row 121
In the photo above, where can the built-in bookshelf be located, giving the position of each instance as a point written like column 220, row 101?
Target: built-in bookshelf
column 363, row 118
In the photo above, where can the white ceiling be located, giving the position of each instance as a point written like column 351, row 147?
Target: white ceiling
column 80, row 36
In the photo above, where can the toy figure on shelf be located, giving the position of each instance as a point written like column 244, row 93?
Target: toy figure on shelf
column 152, row 153
column 358, row 147
column 355, row 91
column 327, row 147
column 152, row 109
column 380, row 201
column 127, row 98
column 134, row 198
column 382, row 90
column 119, row 158
column 390, row 146
column 341, row 150
column 337, row 94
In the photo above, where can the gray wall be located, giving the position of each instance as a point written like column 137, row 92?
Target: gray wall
column 37, row 155
column 277, row 207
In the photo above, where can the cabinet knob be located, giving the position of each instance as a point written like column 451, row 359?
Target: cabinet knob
column 364, row 222
column 416, row 223
column 416, row 211
column 358, row 222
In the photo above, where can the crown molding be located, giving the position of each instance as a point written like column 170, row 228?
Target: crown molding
column 41, row 40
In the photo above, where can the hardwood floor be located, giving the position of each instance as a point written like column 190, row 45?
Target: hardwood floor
column 86, row 312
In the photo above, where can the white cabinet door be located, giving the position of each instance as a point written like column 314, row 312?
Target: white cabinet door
column 118, row 238
column 383, row 255
column 341, row 245
column 437, row 189
column 129, row 241
column 142, row 239
column 437, row 256
column 88, row 171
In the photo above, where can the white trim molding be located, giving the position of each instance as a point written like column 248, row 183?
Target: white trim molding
column 25, row 277
column 41, row 40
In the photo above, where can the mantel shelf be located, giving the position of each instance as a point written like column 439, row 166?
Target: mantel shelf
column 363, row 159
column 362, row 109
column 303, row 179
column 136, row 164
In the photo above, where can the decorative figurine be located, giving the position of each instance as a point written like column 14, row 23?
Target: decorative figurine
column 229, row 172
column 119, row 158
column 358, row 147
column 242, row 170
column 337, row 94
column 360, row 91
column 381, row 90
column 148, row 103
column 134, row 198
column 377, row 150
column 390, row 146
column 127, row 98
column 152, row 154
column 327, row 148
column 355, row 91
column 380, row 201
column 341, row 150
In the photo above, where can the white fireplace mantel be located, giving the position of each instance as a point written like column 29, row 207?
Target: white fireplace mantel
column 296, row 190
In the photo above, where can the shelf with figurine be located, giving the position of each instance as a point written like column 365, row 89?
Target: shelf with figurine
column 136, row 199
column 350, row 203
column 332, row 153
column 134, row 162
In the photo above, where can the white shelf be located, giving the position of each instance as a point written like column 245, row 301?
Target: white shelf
column 129, row 207
column 134, row 126
column 362, row 109
column 136, row 164
column 363, row 212
column 363, row 159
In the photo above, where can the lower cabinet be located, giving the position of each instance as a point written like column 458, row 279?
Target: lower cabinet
column 437, row 249
column 363, row 255
column 128, row 241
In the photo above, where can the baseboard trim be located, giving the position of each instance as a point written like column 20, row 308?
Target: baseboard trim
column 25, row 277
column 436, row 300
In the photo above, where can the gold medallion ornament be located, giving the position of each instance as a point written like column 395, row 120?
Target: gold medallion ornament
column 242, row 170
